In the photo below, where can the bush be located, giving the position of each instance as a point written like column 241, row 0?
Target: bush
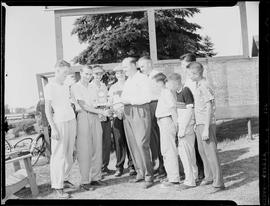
column 25, row 125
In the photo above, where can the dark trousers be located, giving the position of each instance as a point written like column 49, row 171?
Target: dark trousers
column 137, row 125
column 106, row 143
column 121, row 148
column 155, row 138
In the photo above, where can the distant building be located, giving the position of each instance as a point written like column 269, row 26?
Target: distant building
column 255, row 46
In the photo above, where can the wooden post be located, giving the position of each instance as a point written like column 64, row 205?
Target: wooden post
column 152, row 34
column 244, row 28
column 40, row 87
column 58, row 36
column 249, row 129
column 31, row 176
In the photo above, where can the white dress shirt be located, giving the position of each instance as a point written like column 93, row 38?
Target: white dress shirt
column 137, row 89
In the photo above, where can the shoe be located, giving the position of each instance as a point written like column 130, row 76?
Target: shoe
column 161, row 176
column 86, row 187
column 61, row 194
column 118, row 173
column 218, row 189
column 106, row 171
column 184, row 187
column 206, row 182
column 163, row 180
column 167, row 184
column 132, row 172
column 68, row 184
column 136, row 180
column 148, row 184
column 98, row 183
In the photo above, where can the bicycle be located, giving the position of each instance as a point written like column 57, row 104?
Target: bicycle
column 36, row 147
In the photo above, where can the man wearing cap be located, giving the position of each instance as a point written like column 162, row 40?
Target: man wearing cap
column 121, row 148
column 89, row 132
column 99, row 92
column 137, row 120
column 146, row 66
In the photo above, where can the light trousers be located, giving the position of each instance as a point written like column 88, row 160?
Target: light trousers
column 209, row 155
column 168, row 148
column 89, row 146
column 187, row 155
column 137, row 125
column 62, row 153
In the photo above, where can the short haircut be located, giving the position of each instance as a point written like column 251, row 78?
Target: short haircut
column 197, row 65
column 61, row 63
column 189, row 57
column 174, row 77
column 97, row 66
column 145, row 58
column 160, row 77
column 131, row 60
column 86, row 66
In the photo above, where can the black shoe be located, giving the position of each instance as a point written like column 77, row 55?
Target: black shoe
column 106, row 171
column 86, row 187
column 118, row 173
column 132, row 172
column 98, row 183
column 68, row 184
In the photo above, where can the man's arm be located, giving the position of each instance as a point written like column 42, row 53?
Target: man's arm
column 90, row 109
column 49, row 114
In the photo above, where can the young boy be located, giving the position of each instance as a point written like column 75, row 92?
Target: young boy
column 206, row 127
column 186, row 135
column 63, row 128
column 167, row 121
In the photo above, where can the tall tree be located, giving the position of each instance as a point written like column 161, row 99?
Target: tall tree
column 112, row 37
column 208, row 47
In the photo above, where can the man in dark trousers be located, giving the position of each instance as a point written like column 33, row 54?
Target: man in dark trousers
column 146, row 66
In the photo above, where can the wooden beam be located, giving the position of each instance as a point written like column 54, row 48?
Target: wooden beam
column 40, row 86
column 58, row 36
column 244, row 28
column 152, row 34
column 107, row 9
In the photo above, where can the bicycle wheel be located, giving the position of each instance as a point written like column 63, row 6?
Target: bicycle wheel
column 7, row 147
column 24, row 144
column 38, row 149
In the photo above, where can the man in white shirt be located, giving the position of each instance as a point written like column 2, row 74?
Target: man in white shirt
column 146, row 66
column 99, row 92
column 186, row 59
column 89, row 137
column 121, row 148
column 63, row 128
column 137, row 120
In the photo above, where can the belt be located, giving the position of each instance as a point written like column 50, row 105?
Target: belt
column 159, row 118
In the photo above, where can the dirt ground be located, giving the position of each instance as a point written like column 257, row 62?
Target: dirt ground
column 240, row 166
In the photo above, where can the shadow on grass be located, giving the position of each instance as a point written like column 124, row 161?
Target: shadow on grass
column 235, row 129
column 44, row 190
column 243, row 171
column 230, row 155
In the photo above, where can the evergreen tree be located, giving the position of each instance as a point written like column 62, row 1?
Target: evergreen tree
column 112, row 37
column 208, row 50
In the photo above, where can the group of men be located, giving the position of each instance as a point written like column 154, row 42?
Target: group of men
column 153, row 119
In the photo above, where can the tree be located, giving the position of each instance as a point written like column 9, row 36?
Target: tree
column 112, row 37
column 208, row 47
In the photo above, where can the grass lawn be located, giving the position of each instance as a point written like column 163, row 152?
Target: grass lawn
column 240, row 166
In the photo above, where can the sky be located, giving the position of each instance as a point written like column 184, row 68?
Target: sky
column 30, row 44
